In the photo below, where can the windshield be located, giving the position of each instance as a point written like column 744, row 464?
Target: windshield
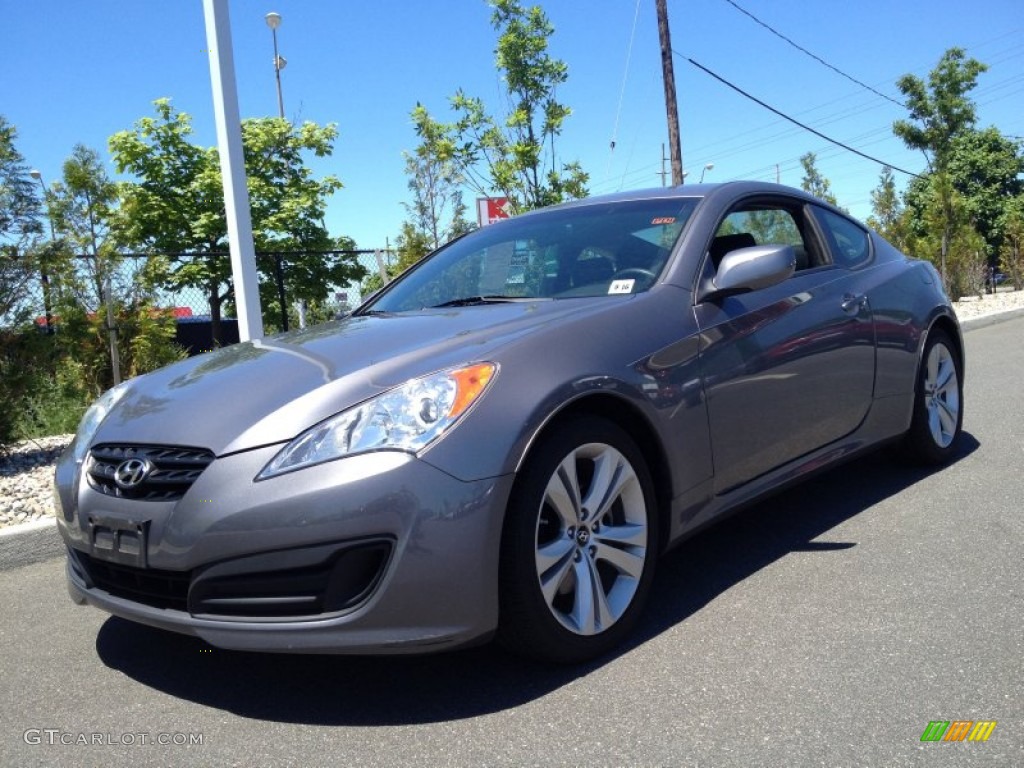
column 593, row 250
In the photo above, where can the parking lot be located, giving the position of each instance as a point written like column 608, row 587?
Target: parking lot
column 825, row 627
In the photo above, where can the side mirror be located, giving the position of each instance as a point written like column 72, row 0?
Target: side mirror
column 753, row 268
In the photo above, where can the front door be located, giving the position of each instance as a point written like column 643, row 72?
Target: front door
column 789, row 368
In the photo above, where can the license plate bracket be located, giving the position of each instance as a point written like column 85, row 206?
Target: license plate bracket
column 119, row 540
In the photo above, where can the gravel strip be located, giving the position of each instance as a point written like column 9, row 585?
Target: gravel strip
column 971, row 307
column 26, row 468
column 26, row 479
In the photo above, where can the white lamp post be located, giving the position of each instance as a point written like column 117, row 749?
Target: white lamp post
column 707, row 168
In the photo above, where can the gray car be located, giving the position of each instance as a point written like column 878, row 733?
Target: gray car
column 503, row 440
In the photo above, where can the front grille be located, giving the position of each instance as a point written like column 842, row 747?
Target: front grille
column 172, row 470
column 307, row 582
column 149, row 586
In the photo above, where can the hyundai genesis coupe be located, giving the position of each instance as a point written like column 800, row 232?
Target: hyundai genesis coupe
column 503, row 440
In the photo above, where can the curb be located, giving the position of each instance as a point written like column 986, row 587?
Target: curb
column 39, row 540
column 984, row 321
column 29, row 543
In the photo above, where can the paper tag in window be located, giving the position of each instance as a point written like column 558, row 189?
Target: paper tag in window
column 621, row 286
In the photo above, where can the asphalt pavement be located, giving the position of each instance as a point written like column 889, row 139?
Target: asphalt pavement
column 827, row 626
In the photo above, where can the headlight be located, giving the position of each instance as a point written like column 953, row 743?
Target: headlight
column 94, row 417
column 407, row 418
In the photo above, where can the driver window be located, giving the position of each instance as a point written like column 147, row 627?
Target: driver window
column 761, row 225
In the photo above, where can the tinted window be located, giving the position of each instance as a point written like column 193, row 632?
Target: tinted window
column 849, row 242
column 592, row 250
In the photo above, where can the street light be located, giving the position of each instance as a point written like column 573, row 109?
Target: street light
column 44, row 277
column 274, row 21
column 707, row 168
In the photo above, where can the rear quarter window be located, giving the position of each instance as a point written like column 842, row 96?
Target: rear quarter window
column 847, row 240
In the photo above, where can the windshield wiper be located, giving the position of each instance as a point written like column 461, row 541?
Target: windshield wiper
column 470, row 301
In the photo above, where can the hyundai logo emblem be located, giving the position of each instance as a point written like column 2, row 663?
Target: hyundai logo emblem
column 129, row 474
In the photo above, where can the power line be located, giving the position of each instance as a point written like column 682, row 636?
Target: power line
column 736, row 142
column 770, row 108
column 625, row 76
column 817, row 58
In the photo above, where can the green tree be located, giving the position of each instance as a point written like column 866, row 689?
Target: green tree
column 513, row 156
column 888, row 216
column 940, row 111
column 412, row 245
column 288, row 208
column 110, row 323
column 437, row 209
column 40, row 393
column 986, row 169
column 946, row 224
column 1011, row 254
column 813, row 182
column 83, row 205
column 20, row 208
column 20, row 229
column 176, row 205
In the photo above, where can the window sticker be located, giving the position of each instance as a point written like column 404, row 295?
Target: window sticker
column 664, row 220
column 621, row 286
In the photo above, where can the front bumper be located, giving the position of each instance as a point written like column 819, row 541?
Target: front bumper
column 380, row 553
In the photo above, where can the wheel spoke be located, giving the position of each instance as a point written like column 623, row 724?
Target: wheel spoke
column 590, row 610
column 947, row 416
column 552, row 579
column 932, row 372
column 611, row 474
column 935, row 425
column 630, row 563
column 630, row 535
column 946, row 375
column 551, row 554
column 563, row 492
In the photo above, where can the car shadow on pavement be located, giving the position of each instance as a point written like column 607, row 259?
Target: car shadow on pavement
column 396, row 690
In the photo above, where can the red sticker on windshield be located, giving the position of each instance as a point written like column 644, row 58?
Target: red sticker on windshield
column 664, row 220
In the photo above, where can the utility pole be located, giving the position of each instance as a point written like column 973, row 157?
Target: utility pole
column 663, row 173
column 671, row 109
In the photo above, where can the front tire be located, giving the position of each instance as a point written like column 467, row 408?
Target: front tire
column 938, row 402
column 579, row 544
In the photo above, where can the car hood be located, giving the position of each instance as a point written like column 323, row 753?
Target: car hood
column 270, row 390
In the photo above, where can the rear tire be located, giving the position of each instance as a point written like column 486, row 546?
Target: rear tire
column 938, row 402
column 579, row 544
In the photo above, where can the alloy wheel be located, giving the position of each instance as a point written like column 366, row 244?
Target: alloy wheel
column 591, row 543
column 942, row 395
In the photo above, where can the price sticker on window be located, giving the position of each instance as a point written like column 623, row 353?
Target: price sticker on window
column 621, row 286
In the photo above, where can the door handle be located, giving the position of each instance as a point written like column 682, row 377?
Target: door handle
column 853, row 304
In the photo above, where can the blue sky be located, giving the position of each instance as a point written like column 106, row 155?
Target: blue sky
column 81, row 71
